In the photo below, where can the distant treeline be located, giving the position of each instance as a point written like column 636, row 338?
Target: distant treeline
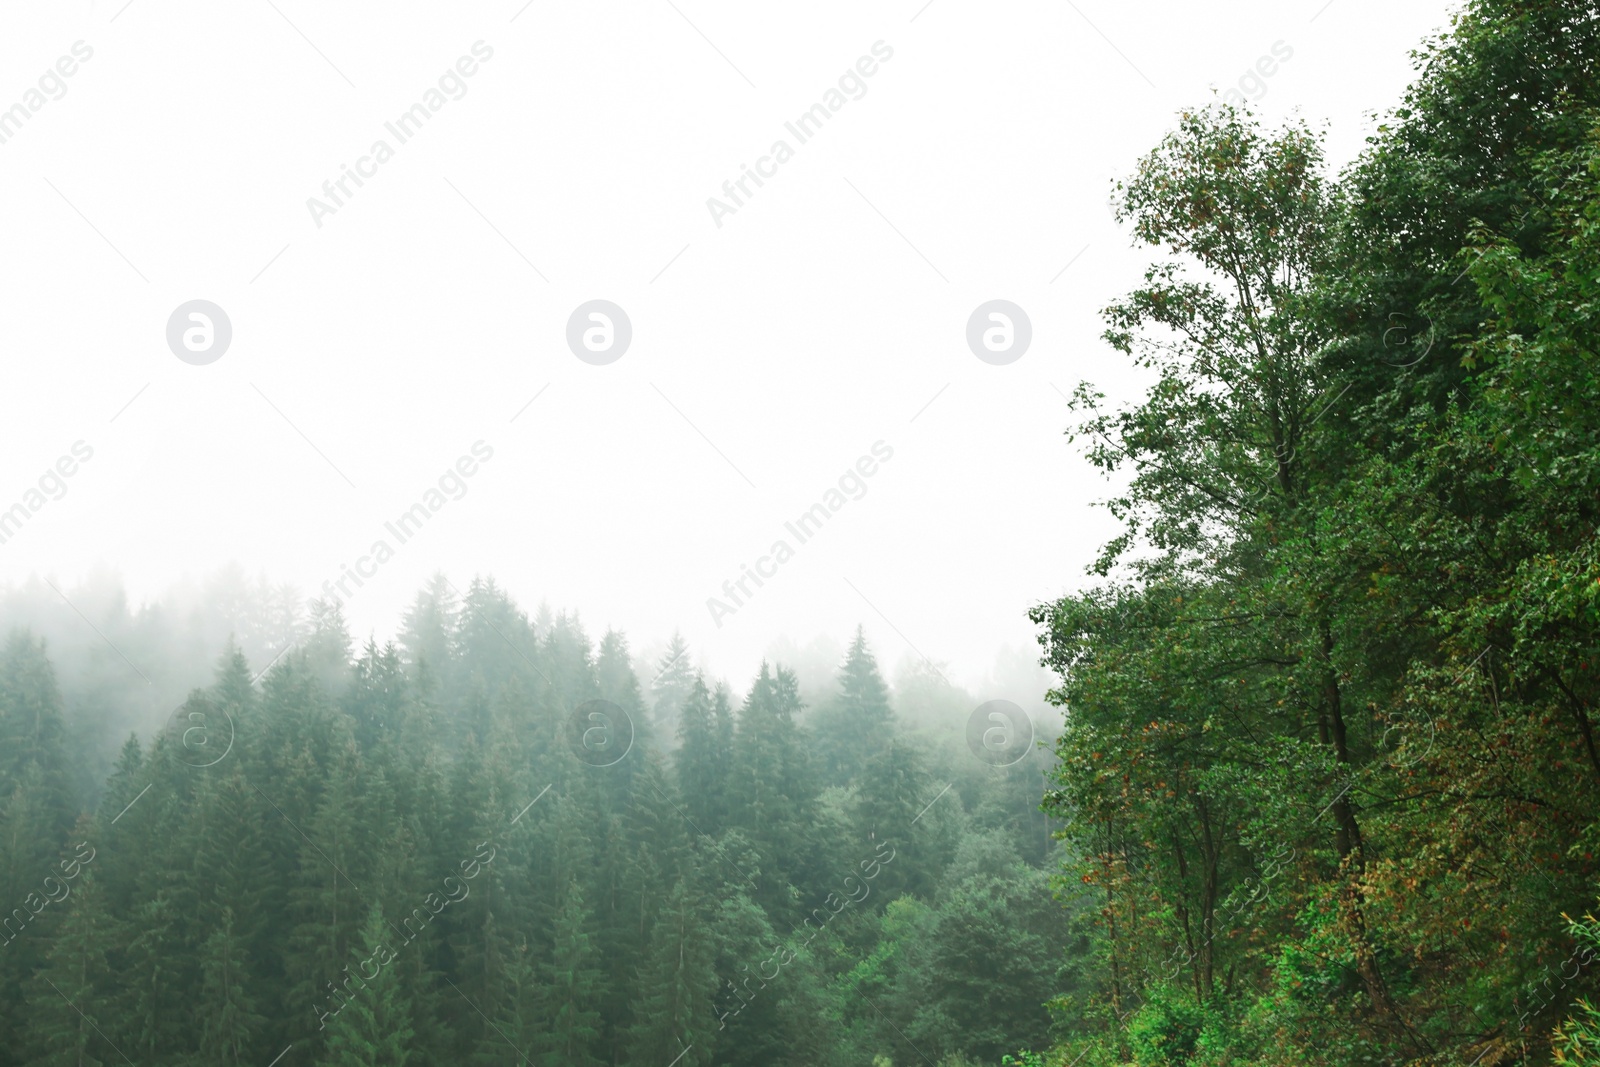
column 488, row 841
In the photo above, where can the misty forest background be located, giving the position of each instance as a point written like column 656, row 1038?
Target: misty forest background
column 1322, row 787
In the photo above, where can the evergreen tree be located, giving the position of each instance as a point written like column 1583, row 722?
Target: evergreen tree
column 327, row 649
column 573, row 988
column 377, row 696
column 229, row 1021
column 675, row 677
column 722, row 719
column 157, row 980
column 773, row 793
column 519, row 1026
column 327, row 907
column 857, row 724
column 373, row 1027
column 617, row 683
column 32, row 734
column 428, row 633
column 676, row 1018
column 70, row 1012
column 702, row 761
column 889, row 810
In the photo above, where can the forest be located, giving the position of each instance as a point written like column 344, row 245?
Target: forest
column 489, row 842
column 1320, row 783
column 1329, row 776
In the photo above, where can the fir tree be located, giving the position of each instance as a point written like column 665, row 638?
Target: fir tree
column 69, row 999
column 618, row 684
column 228, row 1019
column 573, row 988
column 373, row 1027
column 888, row 813
column 857, row 724
column 676, row 1016
column 702, row 762
column 428, row 633
column 674, row 679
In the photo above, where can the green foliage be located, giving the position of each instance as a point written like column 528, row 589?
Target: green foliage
column 1166, row 1030
column 395, row 858
column 1330, row 768
column 229, row 1021
column 1576, row 1038
column 1022, row 1059
column 572, row 988
column 858, row 723
column 373, row 1027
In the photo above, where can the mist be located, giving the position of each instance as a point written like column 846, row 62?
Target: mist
column 685, row 534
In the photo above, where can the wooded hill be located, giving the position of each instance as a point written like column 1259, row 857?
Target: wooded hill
column 1330, row 772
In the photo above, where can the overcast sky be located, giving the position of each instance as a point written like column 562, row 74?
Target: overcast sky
column 381, row 333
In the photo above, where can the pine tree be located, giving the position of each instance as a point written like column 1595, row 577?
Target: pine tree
column 232, row 682
column 377, row 696
column 429, row 633
column 858, row 723
column 229, row 1020
column 155, row 978
column 722, row 720
column 32, row 734
column 676, row 1016
column 702, row 762
column 70, row 1010
column 887, row 814
column 675, row 677
column 519, row 1026
column 573, row 988
column 326, row 905
column 327, row 649
column 232, row 869
column 773, row 792
column 373, row 1027
column 618, row 684
column 496, row 643
column 129, row 777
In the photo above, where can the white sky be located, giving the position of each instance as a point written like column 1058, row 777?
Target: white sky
column 415, row 321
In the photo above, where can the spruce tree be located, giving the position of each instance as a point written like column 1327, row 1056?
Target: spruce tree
column 429, row 632
column 702, row 762
column 32, row 734
column 71, row 1015
column 858, row 723
column 888, row 813
column 618, row 684
column 372, row 1028
column 677, row 986
column 227, row 1010
column 675, row 677
column 573, row 988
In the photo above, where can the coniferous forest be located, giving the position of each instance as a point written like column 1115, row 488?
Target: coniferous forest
column 488, row 842
column 1321, row 783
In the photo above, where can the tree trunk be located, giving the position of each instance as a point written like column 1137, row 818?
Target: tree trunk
column 1347, row 831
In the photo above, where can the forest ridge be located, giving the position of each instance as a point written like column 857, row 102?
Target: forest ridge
column 487, row 841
